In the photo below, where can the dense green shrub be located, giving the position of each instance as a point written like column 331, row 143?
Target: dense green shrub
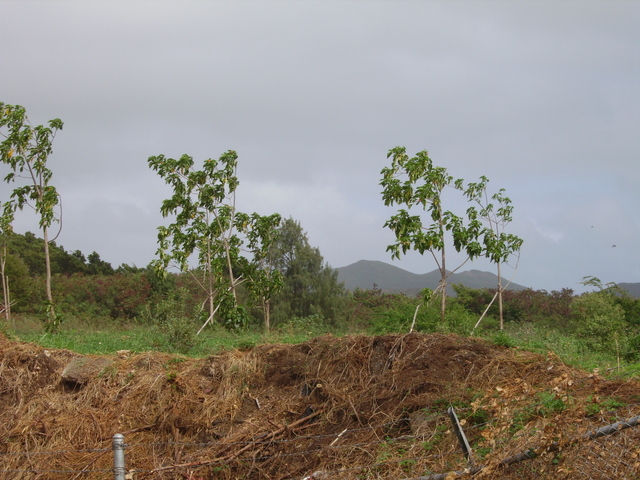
column 599, row 320
column 170, row 317
column 631, row 307
column 382, row 313
column 361, row 305
column 632, row 349
column 459, row 321
column 311, row 325
column 20, row 284
column 397, row 314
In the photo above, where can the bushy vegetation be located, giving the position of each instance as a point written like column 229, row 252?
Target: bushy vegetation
column 536, row 306
column 92, row 291
column 143, row 310
column 597, row 329
column 84, row 287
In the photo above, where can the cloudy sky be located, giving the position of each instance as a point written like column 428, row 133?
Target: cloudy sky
column 542, row 97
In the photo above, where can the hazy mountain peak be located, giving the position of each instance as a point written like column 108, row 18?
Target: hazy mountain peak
column 364, row 274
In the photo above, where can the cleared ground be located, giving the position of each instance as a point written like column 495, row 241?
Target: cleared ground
column 348, row 407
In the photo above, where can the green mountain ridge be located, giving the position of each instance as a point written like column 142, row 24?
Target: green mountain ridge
column 632, row 289
column 364, row 274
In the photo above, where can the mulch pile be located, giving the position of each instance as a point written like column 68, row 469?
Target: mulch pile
column 350, row 407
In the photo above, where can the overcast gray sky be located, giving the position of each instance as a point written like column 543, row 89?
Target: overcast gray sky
column 542, row 97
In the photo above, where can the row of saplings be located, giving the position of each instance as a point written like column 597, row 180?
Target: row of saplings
column 605, row 319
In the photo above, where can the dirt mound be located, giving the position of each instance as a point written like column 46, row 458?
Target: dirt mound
column 352, row 407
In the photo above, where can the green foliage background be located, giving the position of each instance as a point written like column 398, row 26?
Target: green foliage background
column 593, row 329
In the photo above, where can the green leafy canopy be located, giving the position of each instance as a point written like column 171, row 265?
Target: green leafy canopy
column 231, row 246
column 422, row 223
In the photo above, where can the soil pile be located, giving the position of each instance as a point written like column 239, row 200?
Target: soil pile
column 351, row 407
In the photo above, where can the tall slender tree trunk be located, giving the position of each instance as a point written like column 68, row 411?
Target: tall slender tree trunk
column 443, row 287
column 267, row 314
column 47, row 261
column 500, row 297
column 5, row 283
column 443, row 301
column 209, row 273
column 8, row 309
column 232, row 280
column 443, row 273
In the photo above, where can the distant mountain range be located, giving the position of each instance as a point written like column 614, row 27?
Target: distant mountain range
column 632, row 289
column 391, row 279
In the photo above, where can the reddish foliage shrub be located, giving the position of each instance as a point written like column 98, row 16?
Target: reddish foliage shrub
column 119, row 296
column 523, row 306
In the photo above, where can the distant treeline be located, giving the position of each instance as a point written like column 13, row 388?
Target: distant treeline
column 27, row 251
column 89, row 287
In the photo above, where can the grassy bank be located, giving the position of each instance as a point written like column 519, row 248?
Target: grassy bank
column 105, row 337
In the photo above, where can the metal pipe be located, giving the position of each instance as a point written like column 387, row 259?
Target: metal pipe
column 119, row 469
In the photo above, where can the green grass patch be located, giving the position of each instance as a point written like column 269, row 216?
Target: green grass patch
column 104, row 338
column 571, row 349
column 596, row 406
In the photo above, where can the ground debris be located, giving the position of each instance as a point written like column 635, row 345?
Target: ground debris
column 354, row 405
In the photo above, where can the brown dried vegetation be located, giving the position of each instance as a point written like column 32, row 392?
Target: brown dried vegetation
column 355, row 407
